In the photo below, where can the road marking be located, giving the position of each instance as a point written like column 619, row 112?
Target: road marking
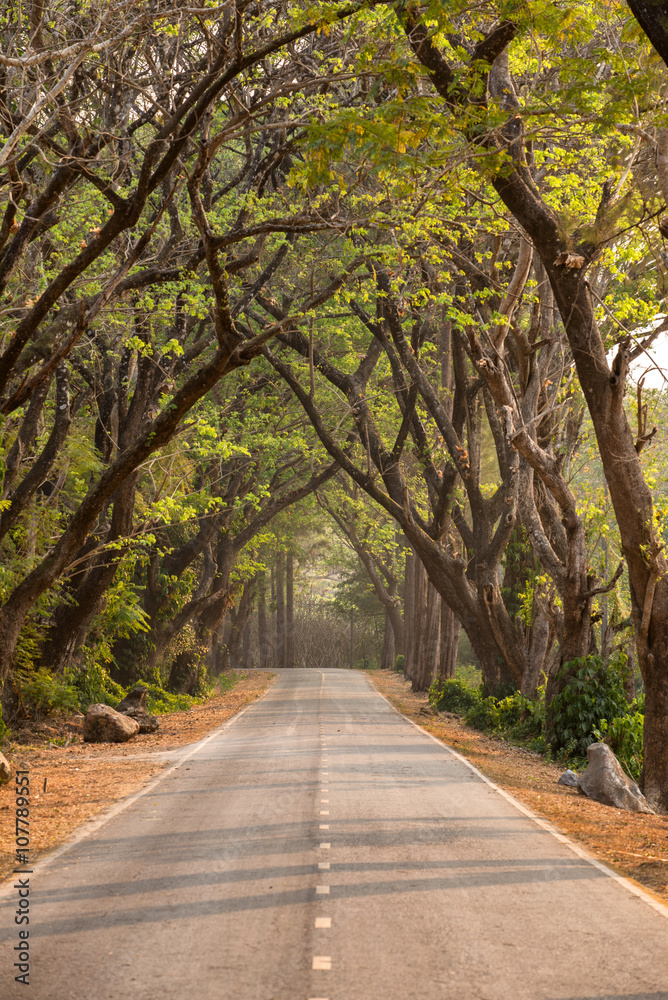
column 325, row 847
column 322, row 890
column 323, row 864
column 322, row 962
column 323, row 922
column 324, row 812
column 324, row 826
column 324, row 802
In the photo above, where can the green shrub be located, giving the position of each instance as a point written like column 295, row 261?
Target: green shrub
column 484, row 715
column 40, row 693
column 510, row 709
column 399, row 664
column 624, row 736
column 225, row 682
column 159, row 701
column 500, row 691
column 469, row 675
column 452, row 696
column 94, row 686
column 593, row 691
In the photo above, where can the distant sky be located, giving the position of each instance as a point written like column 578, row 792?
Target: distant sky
column 654, row 367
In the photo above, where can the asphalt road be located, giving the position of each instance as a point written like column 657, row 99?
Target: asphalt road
column 320, row 846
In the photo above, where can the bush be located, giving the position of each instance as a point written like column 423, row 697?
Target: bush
column 469, row 675
column 592, row 692
column 624, row 737
column 452, row 696
column 399, row 664
column 41, row 694
column 159, row 701
column 484, row 715
column 94, row 686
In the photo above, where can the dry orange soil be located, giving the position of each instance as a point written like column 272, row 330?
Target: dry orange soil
column 632, row 844
column 70, row 785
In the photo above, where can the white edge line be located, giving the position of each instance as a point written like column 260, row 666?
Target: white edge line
column 543, row 823
column 93, row 825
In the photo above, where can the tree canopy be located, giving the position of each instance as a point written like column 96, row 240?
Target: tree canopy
column 392, row 262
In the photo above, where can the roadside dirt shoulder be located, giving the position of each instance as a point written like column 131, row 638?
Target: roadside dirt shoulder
column 632, row 844
column 70, row 785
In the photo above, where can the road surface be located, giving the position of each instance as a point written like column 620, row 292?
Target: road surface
column 320, row 847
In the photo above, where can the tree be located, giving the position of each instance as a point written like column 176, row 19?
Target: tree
column 569, row 252
column 374, row 541
column 139, row 153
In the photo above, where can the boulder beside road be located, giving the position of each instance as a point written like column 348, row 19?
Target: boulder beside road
column 604, row 781
column 569, row 778
column 147, row 723
column 5, row 770
column 103, row 724
column 134, row 707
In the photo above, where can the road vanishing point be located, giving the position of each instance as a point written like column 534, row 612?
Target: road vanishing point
column 319, row 846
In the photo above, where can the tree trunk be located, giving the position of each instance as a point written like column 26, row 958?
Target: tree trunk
column 280, row 609
column 450, row 628
column 409, row 612
column 388, row 655
column 421, row 637
column 289, row 611
column 262, row 628
column 651, row 16
column 246, row 648
column 428, row 659
column 538, row 655
column 238, row 620
column 71, row 620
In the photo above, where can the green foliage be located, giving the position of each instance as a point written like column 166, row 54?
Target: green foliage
column 592, row 691
column 624, row 736
column 40, row 693
column 354, row 592
column 469, row 675
column 484, row 715
column 399, row 664
column 514, row 716
column 452, row 696
column 159, row 701
column 93, row 686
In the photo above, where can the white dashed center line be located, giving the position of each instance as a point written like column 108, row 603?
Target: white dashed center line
column 323, row 864
column 322, row 890
column 324, row 812
column 325, row 847
column 323, row 923
column 324, row 826
column 322, row 962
